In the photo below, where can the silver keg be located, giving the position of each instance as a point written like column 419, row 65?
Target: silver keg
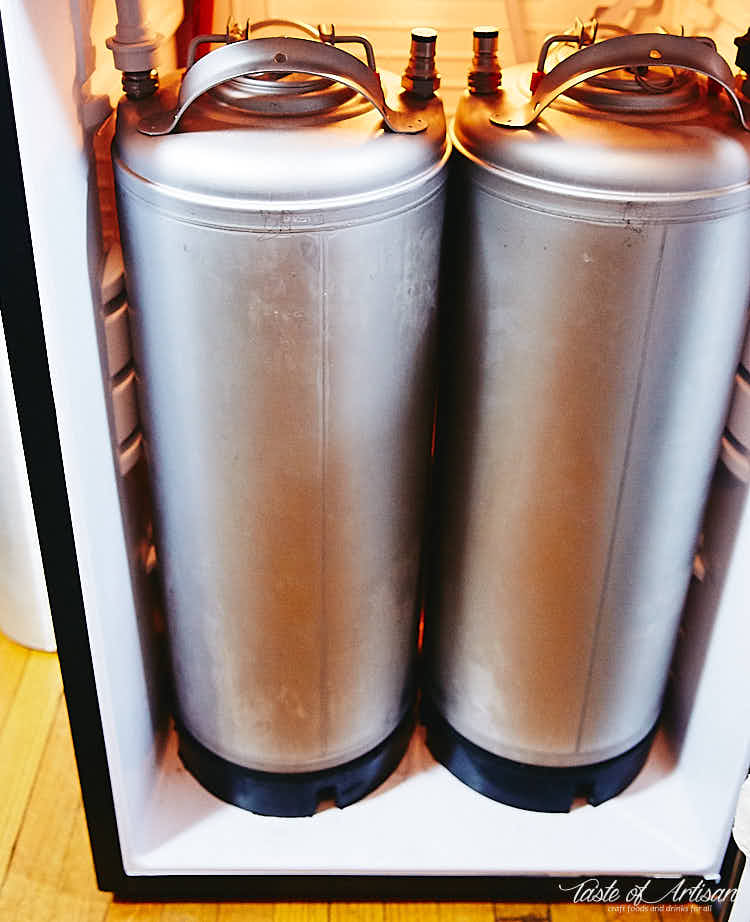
column 601, row 282
column 281, row 210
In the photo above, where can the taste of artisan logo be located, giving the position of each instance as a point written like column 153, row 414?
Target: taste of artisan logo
column 661, row 893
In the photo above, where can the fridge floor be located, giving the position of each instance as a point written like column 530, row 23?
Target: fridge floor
column 46, row 873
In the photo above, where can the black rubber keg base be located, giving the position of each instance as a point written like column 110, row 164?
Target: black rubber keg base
column 541, row 788
column 293, row 793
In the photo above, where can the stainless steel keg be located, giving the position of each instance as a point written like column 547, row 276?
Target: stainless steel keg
column 281, row 209
column 602, row 280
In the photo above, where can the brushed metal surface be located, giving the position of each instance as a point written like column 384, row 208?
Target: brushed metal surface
column 279, row 161
column 591, row 348
column 690, row 155
column 286, row 366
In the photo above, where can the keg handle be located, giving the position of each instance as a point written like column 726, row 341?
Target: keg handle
column 282, row 56
column 235, row 34
column 643, row 50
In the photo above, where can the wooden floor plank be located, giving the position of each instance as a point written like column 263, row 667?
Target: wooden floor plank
column 246, row 912
column 78, row 878
column 13, row 659
column 22, row 741
column 134, row 912
column 300, row 912
column 412, row 912
column 357, row 912
column 522, row 912
column 572, row 912
column 190, row 912
column 50, row 877
column 466, row 912
column 569, row 912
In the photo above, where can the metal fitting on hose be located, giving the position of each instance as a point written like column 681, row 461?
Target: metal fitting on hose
column 420, row 76
column 485, row 75
column 134, row 46
column 139, row 84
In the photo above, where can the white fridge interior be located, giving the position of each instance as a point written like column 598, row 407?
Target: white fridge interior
column 674, row 819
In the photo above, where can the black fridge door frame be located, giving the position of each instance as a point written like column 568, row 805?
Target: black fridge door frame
column 24, row 333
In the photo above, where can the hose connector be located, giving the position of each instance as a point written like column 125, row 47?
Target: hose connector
column 134, row 46
column 485, row 75
column 420, row 76
column 138, row 84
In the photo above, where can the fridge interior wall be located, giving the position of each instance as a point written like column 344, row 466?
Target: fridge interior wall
column 674, row 819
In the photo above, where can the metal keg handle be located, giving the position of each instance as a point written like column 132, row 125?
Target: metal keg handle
column 285, row 56
column 235, row 34
column 644, row 50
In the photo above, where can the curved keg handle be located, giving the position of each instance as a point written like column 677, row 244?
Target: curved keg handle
column 282, row 56
column 235, row 34
column 645, row 50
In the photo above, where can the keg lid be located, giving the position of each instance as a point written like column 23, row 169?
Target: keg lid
column 283, row 94
column 306, row 159
column 638, row 90
column 348, row 136
column 630, row 89
column 275, row 93
column 580, row 149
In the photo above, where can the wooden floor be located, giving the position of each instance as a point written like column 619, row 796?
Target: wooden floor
column 46, row 874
